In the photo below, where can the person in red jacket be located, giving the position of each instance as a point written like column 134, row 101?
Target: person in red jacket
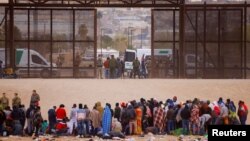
column 60, row 113
column 242, row 112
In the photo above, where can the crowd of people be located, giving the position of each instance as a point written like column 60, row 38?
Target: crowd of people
column 126, row 118
column 115, row 68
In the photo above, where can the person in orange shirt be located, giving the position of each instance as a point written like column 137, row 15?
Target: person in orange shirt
column 138, row 112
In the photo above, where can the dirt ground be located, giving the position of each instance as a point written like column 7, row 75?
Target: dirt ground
column 88, row 91
column 130, row 138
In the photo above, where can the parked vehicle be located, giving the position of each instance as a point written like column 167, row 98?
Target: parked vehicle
column 39, row 66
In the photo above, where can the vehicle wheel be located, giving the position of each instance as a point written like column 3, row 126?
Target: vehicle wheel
column 45, row 74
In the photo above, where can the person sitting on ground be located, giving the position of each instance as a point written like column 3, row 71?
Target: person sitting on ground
column 61, row 127
column 44, row 127
column 116, row 129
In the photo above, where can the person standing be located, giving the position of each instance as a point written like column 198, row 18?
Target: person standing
column 112, row 66
column 170, row 116
column 4, row 101
column 95, row 117
column 16, row 117
column 122, row 69
column 16, row 101
column 86, row 120
column 194, row 119
column 159, row 118
column 35, row 98
column 73, row 119
column 106, row 67
column 185, row 116
column 117, row 112
column 106, row 120
column 81, row 116
column 52, row 118
column 23, row 115
column 99, row 68
column 136, row 67
column 37, row 122
column 242, row 112
column 138, row 112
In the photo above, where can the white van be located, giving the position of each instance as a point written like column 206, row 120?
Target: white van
column 39, row 66
column 129, row 57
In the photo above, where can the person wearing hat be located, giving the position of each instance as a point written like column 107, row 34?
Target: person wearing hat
column 4, row 101
column 16, row 101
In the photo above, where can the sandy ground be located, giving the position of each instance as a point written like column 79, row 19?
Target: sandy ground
column 129, row 138
column 89, row 91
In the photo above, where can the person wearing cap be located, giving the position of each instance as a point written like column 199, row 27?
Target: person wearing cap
column 35, row 98
column 16, row 101
column 4, row 101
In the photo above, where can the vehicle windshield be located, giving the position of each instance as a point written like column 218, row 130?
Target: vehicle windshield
column 129, row 56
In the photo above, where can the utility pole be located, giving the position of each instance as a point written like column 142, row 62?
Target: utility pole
column 141, row 37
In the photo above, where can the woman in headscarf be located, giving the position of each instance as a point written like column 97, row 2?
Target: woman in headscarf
column 106, row 120
column 99, row 107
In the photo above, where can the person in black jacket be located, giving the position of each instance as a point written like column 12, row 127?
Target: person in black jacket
column 117, row 113
column 52, row 118
column 185, row 115
column 16, row 115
